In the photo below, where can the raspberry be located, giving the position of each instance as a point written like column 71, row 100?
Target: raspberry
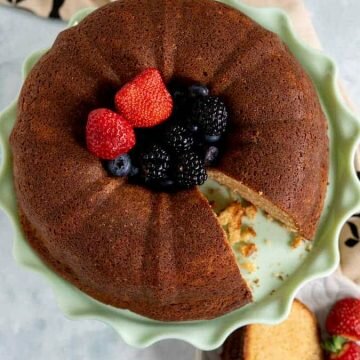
column 108, row 135
column 145, row 101
column 155, row 164
column 211, row 114
column 190, row 170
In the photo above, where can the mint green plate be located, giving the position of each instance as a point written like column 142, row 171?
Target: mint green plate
column 280, row 270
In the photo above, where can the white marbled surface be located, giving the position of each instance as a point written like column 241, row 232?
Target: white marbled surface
column 31, row 325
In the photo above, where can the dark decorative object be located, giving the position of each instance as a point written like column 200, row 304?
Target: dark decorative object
column 351, row 242
column 54, row 13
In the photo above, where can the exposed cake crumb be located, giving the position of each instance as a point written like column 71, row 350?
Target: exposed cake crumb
column 296, row 242
column 231, row 220
column 234, row 237
column 248, row 249
column 232, row 213
column 248, row 266
column 247, row 233
column 251, row 211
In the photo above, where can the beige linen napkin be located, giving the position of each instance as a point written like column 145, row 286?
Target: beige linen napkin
column 349, row 241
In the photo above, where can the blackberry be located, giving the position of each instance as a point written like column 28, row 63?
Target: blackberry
column 119, row 167
column 179, row 139
column 211, row 114
column 190, row 170
column 155, row 164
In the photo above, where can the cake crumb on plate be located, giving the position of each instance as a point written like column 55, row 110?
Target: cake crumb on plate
column 247, row 233
column 296, row 241
column 248, row 266
column 251, row 211
column 248, row 249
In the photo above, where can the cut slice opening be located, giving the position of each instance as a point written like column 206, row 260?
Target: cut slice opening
column 250, row 223
column 236, row 208
column 255, row 198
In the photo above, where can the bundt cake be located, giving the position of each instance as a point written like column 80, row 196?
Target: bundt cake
column 298, row 337
column 163, row 254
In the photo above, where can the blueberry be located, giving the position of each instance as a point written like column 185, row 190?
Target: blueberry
column 211, row 155
column 121, row 166
column 198, row 90
column 212, row 138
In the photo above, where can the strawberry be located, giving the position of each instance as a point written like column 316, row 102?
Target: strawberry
column 339, row 349
column 344, row 319
column 350, row 351
column 145, row 101
column 108, row 134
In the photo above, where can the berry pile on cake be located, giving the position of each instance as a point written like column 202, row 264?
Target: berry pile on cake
column 179, row 132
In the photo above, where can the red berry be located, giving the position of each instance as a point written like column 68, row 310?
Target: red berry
column 344, row 319
column 145, row 101
column 108, row 134
column 350, row 351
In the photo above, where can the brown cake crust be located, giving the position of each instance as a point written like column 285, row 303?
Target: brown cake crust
column 161, row 255
column 174, row 273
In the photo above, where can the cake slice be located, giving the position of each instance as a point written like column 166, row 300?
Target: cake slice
column 296, row 338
